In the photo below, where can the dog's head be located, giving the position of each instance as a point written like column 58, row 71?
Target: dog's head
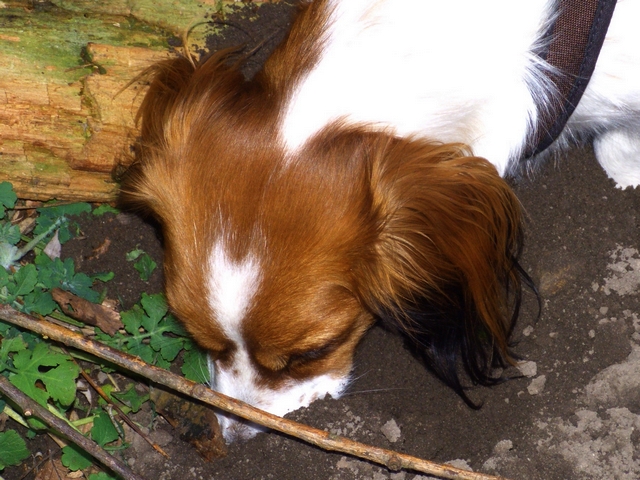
column 278, row 262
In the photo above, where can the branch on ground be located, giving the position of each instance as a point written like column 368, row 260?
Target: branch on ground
column 31, row 408
column 393, row 460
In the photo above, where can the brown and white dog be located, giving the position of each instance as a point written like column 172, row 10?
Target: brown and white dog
column 343, row 184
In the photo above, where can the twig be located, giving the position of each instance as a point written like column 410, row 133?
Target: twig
column 121, row 414
column 31, row 407
column 325, row 440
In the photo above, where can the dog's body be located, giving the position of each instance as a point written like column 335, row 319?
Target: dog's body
column 300, row 206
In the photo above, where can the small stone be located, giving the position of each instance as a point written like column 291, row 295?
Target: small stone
column 527, row 331
column 537, row 385
column 391, row 431
column 459, row 463
column 528, row 369
column 398, row 476
column 503, row 446
column 346, row 464
column 604, row 310
column 592, row 333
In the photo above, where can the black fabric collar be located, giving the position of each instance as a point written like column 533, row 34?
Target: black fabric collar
column 575, row 40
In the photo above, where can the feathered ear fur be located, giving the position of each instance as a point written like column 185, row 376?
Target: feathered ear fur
column 183, row 100
column 446, row 273
column 168, row 81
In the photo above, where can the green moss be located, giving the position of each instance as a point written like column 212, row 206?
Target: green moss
column 52, row 42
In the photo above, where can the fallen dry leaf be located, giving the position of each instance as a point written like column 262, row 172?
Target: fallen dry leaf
column 100, row 250
column 101, row 316
column 52, row 469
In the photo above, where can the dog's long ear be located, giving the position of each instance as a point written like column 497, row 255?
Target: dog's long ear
column 167, row 81
column 181, row 100
column 446, row 273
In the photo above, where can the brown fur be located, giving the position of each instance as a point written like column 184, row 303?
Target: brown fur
column 356, row 225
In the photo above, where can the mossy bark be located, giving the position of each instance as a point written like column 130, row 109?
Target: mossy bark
column 66, row 120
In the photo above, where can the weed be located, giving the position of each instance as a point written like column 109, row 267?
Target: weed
column 42, row 370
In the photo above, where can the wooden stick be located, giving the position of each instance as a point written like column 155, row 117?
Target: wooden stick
column 393, row 460
column 30, row 407
column 121, row 414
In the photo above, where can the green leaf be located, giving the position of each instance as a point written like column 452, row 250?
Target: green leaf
column 13, row 449
column 81, row 284
column 104, row 208
column 55, row 370
column 74, row 458
column 25, row 280
column 103, row 277
column 39, row 302
column 103, row 431
column 155, row 306
column 35, row 425
column 145, row 266
column 132, row 319
column 161, row 363
column 169, row 347
column 139, row 349
column 49, row 215
column 7, row 347
column 171, row 325
column 134, row 254
column 196, row 366
column 61, row 274
column 101, row 476
column 131, row 398
column 9, row 233
column 60, row 382
column 7, row 196
column 57, row 211
column 4, row 277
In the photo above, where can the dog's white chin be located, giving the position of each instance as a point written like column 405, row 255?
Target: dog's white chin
column 278, row 402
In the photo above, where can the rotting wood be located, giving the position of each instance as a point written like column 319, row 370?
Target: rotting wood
column 65, row 123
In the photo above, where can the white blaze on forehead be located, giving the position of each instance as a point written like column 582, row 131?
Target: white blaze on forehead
column 232, row 286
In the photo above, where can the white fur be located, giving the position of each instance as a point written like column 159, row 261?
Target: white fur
column 239, row 382
column 232, row 286
column 462, row 71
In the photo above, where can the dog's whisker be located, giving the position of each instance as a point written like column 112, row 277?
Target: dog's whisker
column 376, row 390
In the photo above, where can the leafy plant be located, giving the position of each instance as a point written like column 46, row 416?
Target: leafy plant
column 144, row 265
column 7, row 197
column 155, row 336
column 74, row 458
column 40, row 369
column 131, row 398
column 13, row 449
column 104, row 208
column 56, row 371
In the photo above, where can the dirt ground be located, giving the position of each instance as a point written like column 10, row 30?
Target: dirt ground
column 576, row 413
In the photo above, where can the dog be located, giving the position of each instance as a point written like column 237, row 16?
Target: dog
column 359, row 177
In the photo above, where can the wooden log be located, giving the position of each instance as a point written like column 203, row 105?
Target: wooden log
column 66, row 124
